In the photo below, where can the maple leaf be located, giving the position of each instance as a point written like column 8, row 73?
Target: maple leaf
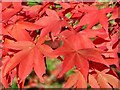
column 7, row 13
column 51, row 23
column 93, row 33
column 76, row 80
column 32, row 11
column 77, row 53
column 98, row 16
column 20, row 54
column 19, row 28
column 111, row 48
column 31, row 55
column 104, row 80
column 10, row 76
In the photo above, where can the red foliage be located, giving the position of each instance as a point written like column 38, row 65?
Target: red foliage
column 91, row 45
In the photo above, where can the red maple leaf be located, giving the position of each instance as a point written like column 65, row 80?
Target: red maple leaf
column 76, row 80
column 90, row 46
column 30, row 56
column 103, row 80
column 51, row 23
column 9, row 11
column 78, row 53
column 20, row 28
column 95, row 17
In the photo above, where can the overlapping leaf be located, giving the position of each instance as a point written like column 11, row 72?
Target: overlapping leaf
column 85, row 34
column 19, row 29
column 98, row 16
column 76, row 80
column 77, row 53
column 104, row 80
column 9, row 12
column 51, row 23
column 30, row 56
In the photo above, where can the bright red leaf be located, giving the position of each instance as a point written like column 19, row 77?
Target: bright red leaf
column 77, row 53
column 30, row 56
column 98, row 16
column 84, row 36
column 51, row 23
column 19, row 29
